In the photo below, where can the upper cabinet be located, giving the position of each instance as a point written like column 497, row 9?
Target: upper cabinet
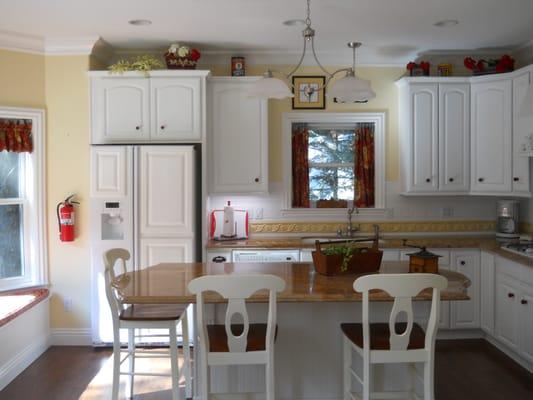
column 492, row 136
column 434, row 126
column 238, row 137
column 521, row 132
column 166, row 107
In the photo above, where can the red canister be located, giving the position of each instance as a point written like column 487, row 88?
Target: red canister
column 238, row 66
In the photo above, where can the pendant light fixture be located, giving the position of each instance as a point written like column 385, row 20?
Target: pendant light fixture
column 348, row 89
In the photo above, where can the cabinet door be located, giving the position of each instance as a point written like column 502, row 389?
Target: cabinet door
column 507, row 318
column 176, row 109
column 167, row 191
column 526, row 317
column 487, row 271
column 491, row 136
column 239, row 139
column 424, row 139
column 454, row 137
column 156, row 250
column 120, row 110
column 521, row 130
column 465, row 314
column 444, row 314
column 109, row 171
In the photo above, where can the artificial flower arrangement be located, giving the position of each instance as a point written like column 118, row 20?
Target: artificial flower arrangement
column 492, row 66
column 181, row 57
column 421, row 69
column 143, row 64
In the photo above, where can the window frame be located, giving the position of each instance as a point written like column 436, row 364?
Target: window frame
column 33, row 203
column 322, row 118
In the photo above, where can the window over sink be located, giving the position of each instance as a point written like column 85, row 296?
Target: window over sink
column 333, row 161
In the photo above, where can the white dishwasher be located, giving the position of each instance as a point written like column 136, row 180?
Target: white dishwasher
column 265, row 255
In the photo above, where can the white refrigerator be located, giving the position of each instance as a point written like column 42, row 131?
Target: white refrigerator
column 144, row 198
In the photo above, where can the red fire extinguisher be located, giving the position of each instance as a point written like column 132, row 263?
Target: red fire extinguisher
column 65, row 219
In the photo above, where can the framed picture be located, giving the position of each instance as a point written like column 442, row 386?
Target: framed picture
column 309, row 93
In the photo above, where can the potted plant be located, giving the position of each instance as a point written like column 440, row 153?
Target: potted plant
column 181, row 57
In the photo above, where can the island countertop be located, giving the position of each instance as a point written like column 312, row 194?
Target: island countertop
column 166, row 283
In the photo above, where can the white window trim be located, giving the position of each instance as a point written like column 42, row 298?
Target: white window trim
column 35, row 256
column 378, row 118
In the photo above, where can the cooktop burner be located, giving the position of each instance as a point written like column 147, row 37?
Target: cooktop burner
column 522, row 248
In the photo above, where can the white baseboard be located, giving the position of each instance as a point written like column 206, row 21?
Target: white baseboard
column 451, row 334
column 22, row 360
column 70, row 337
column 512, row 354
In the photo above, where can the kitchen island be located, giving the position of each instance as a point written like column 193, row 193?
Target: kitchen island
column 308, row 349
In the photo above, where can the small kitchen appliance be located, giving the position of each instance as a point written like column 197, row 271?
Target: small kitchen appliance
column 507, row 219
column 220, row 220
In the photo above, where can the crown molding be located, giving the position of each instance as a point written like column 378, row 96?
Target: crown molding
column 33, row 44
column 21, row 42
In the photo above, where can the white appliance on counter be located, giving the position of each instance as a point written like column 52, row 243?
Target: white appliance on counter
column 265, row 255
column 144, row 199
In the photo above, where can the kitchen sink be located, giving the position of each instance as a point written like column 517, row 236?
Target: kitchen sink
column 312, row 239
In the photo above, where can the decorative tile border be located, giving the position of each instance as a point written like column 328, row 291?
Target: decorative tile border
column 400, row 226
column 526, row 227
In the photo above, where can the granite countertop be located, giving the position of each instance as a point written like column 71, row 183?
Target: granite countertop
column 167, row 283
column 485, row 243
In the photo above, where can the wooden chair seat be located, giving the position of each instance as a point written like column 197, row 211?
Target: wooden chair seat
column 218, row 340
column 153, row 312
column 380, row 335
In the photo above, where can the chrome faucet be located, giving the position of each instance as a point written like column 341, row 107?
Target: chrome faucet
column 350, row 229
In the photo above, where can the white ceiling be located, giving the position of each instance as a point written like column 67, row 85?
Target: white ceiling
column 392, row 31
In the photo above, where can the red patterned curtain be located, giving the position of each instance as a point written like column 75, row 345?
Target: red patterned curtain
column 16, row 136
column 300, row 166
column 364, row 165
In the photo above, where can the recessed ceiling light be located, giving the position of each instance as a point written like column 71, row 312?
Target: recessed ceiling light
column 446, row 23
column 294, row 22
column 140, row 22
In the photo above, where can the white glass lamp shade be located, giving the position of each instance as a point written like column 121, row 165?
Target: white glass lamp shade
column 526, row 109
column 351, row 89
column 270, row 88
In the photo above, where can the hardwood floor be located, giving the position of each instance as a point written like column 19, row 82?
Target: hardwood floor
column 465, row 369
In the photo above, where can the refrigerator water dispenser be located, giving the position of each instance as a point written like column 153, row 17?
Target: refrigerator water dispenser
column 112, row 222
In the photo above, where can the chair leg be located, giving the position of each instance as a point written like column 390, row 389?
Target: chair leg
column 131, row 363
column 429, row 390
column 367, row 377
column 347, row 363
column 203, row 369
column 187, row 365
column 174, row 367
column 270, row 386
column 116, row 363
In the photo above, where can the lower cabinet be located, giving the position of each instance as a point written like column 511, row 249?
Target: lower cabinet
column 487, row 275
column 465, row 314
column 219, row 256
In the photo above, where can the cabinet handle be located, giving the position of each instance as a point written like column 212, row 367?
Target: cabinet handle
column 481, row 179
column 256, row 180
column 451, row 179
column 428, row 180
column 516, row 179
column 219, row 259
column 137, row 127
column 162, row 127
column 463, row 263
column 523, row 301
column 510, row 295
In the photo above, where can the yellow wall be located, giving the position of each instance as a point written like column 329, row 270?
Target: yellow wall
column 386, row 101
column 21, row 79
column 67, row 101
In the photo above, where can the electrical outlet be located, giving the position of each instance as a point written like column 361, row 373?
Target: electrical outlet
column 258, row 214
column 67, row 304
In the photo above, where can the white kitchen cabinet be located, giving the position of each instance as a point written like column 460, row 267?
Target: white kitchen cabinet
column 120, row 110
column 176, row 109
column 487, row 275
column 163, row 250
column 521, row 130
column 526, row 318
column 166, row 107
column 466, row 314
column 507, row 312
column 306, row 255
column 219, row 256
column 238, row 137
column 109, row 175
column 435, row 131
column 454, row 137
column 491, row 136
column 167, row 207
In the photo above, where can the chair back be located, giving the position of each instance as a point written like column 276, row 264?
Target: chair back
column 403, row 287
column 236, row 289
column 110, row 259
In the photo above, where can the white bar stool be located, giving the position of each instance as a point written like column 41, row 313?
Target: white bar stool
column 144, row 316
column 380, row 343
column 253, row 344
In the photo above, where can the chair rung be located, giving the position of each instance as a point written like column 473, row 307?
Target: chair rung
column 415, row 372
column 144, row 374
column 354, row 396
column 355, row 376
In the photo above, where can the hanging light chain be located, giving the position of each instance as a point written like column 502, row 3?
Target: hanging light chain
column 308, row 17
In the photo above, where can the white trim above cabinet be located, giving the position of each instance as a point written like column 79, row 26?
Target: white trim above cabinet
column 166, row 107
column 238, row 137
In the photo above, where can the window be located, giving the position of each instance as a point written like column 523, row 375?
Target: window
column 22, row 243
column 333, row 161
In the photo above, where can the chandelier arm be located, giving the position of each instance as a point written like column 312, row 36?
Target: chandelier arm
column 318, row 62
column 299, row 62
column 335, row 73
